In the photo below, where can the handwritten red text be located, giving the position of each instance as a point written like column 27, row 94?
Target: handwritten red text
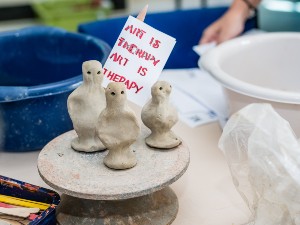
column 135, row 50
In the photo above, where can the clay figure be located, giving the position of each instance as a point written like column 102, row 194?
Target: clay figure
column 85, row 105
column 160, row 116
column 118, row 128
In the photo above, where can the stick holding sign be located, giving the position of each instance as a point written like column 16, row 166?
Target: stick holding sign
column 138, row 57
column 142, row 14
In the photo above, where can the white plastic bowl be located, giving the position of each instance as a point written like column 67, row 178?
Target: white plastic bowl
column 259, row 68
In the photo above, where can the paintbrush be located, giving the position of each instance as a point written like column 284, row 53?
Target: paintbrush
column 19, row 211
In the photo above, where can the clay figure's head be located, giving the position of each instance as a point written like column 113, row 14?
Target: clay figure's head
column 92, row 72
column 161, row 90
column 115, row 93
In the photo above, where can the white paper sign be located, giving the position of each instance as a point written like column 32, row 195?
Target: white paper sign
column 138, row 58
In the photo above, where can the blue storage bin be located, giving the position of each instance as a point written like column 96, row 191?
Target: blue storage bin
column 39, row 68
column 184, row 25
column 19, row 189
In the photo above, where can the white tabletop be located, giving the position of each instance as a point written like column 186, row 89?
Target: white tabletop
column 206, row 193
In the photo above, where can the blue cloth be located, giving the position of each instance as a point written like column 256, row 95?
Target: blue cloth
column 184, row 25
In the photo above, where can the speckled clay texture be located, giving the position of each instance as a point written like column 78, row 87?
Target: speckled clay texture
column 118, row 128
column 85, row 105
column 160, row 116
column 84, row 175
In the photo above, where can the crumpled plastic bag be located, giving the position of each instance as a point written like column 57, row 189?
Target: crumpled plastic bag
column 263, row 155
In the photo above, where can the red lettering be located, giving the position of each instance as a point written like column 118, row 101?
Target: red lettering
column 137, row 31
column 126, row 45
column 121, row 40
column 127, row 83
column 139, row 53
column 104, row 70
column 126, row 61
column 116, row 78
column 110, row 75
column 138, row 89
column 115, row 57
column 122, row 79
column 135, row 50
column 130, row 49
column 140, row 33
column 142, row 71
column 132, row 31
column 134, row 85
column 146, row 55
column 154, row 61
column 118, row 58
column 154, row 43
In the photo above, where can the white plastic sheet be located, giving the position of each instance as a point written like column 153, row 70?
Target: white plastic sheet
column 264, row 159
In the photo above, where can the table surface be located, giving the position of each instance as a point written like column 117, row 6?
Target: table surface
column 205, row 192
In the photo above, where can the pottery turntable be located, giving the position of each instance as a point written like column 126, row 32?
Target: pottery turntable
column 127, row 183
column 95, row 194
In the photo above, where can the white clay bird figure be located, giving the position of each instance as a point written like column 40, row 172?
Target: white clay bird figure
column 160, row 116
column 118, row 128
column 85, row 105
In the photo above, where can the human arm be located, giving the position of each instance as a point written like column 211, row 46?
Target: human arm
column 231, row 24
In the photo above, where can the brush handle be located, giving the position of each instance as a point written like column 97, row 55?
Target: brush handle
column 23, row 202
column 20, row 211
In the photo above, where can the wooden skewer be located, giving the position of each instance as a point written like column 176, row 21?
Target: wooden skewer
column 141, row 16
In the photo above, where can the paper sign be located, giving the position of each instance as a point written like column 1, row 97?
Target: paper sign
column 138, row 58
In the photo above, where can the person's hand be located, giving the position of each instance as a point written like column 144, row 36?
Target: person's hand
column 230, row 25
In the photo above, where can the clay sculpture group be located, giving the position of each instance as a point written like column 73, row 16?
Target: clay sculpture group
column 103, row 120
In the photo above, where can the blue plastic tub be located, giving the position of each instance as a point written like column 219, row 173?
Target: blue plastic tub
column 19, row 189
column 39, row 68
column 184, row 25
